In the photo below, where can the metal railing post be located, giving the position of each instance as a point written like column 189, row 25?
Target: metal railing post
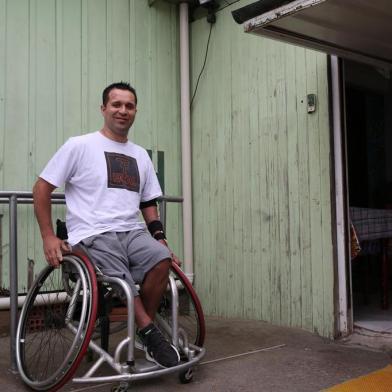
column 162, row 213
column 13, row 208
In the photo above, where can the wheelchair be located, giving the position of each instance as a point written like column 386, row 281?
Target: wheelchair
column 72, row 310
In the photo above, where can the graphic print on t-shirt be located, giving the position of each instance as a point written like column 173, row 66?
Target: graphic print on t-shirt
column 123, row 171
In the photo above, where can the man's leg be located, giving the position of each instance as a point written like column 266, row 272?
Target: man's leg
column 154, row 286
column 151, row 292
column 149, row 265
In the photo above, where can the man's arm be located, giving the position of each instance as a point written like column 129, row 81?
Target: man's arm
column 150, row 214
column 52, row 245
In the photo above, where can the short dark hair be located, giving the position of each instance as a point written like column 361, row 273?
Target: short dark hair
column 119, row 85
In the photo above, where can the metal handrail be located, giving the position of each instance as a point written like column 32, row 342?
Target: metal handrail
column 13, row 198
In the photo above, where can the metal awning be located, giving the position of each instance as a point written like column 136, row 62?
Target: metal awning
column 356, row 29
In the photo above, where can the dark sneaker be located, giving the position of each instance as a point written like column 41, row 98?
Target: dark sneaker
column 157, row 348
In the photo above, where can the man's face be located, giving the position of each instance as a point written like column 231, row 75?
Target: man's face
column 119, row 112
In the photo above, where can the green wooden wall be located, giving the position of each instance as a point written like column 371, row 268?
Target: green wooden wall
column 261, row 163
column 261, row 179
column 56, row 56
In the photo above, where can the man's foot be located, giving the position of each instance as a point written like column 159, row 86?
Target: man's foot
column 157, row 348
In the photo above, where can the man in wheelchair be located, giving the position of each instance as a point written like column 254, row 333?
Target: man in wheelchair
column 108, row 181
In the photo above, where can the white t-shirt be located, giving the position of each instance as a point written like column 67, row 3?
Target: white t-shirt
column 105, row 181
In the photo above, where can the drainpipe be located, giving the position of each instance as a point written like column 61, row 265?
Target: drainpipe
column 343, row 313
column 186, row 154
column 44, row 299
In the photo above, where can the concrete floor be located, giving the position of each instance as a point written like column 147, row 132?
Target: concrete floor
column 250, row 356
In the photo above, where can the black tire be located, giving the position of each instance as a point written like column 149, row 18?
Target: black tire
column 122, row 387
column 190, row 312
column 186, row 377
column 56, row 323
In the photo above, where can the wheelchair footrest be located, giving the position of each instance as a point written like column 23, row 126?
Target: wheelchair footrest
column 144, row 366
column 139, row 372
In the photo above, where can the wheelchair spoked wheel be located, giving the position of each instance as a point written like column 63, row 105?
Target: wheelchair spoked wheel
column 56, row 323
column 190, row 312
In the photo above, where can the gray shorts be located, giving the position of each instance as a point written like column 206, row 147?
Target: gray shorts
column 127, row 255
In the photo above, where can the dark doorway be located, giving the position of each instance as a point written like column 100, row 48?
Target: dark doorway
column 368, row 101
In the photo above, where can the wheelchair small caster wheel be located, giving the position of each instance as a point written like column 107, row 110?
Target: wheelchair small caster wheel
column 186, row 377
column 119, row 388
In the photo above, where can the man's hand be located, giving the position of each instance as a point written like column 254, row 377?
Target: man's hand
column 150, row 214
column 53, row 246
column 54, row 249
column 175, row 259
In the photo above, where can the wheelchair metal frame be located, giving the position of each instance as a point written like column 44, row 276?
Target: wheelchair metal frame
column 131, row 369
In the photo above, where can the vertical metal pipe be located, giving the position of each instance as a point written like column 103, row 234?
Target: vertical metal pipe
column 186, row 141
column 131, row 317
column 30, row 273
column 339, row 196
column 1, row 246
column 174, row 310
column 162, row 213
column 13, row 209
